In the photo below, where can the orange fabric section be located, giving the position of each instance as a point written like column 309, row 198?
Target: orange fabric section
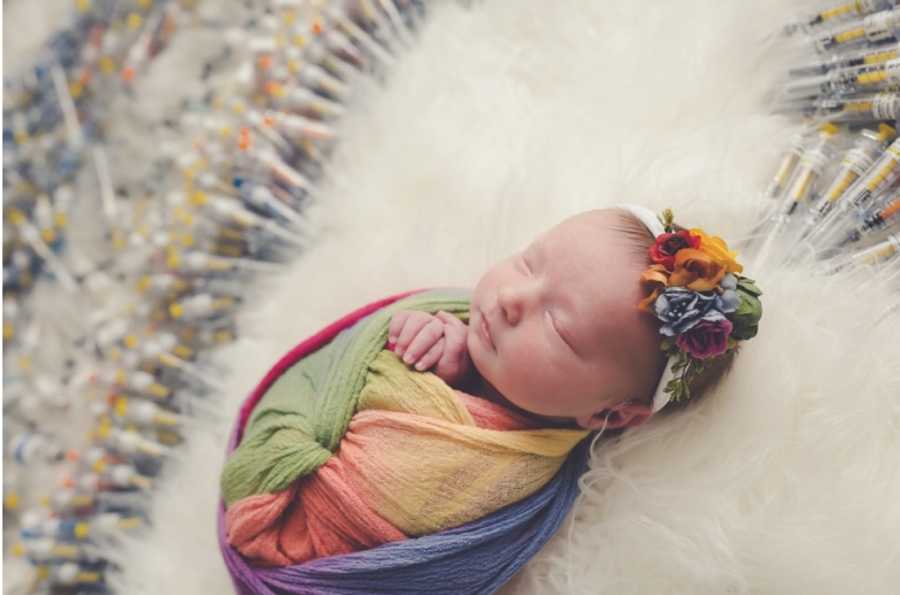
column 327, row 514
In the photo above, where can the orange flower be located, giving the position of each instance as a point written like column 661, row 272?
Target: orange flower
column 696, row 270
column 718, row 250
column 655, row 279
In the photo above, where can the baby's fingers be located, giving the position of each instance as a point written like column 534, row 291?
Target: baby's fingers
column 431, row 356
column 411, row 322
column 454, row 361
column 456, row 346
column 423, row 341
column 450, row 319
column 397, row 322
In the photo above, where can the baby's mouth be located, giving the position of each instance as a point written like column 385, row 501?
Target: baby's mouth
column 485, row 329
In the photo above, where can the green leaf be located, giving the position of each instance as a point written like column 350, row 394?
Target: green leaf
column 742, row 333
column 667, row 218
column 748, row 285
column 745, row 319
column 697, row 367
column 681, row 362
column 676, row 388
column 672, row 386
column 750, row 307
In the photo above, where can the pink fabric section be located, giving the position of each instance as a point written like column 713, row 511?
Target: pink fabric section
column 332, row 520
column 326, row 513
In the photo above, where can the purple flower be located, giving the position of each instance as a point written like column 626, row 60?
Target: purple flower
column 708, row 338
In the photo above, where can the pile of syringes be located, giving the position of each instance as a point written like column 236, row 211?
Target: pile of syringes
column 109, row 325
column 835, row 196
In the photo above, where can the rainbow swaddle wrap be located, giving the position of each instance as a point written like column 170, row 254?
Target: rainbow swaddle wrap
column 343, row 454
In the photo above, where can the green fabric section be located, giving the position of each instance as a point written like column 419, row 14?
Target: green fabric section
column 303, row 416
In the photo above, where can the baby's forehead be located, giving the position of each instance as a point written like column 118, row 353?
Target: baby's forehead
column 594, row 230
column 592, row 249
column 595, row 268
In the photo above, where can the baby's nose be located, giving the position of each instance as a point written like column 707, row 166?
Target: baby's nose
column 515, row 302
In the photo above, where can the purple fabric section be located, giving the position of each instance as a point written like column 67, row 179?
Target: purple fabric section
column 475, row 558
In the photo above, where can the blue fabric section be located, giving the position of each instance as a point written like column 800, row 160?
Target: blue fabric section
column 475, row 558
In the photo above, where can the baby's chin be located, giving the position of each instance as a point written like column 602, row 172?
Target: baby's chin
column 527, row 409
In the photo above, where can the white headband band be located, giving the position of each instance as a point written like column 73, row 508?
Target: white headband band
column 652, row 222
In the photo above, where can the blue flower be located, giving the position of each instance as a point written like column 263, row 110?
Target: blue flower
column 681, row 309
column 729, row 300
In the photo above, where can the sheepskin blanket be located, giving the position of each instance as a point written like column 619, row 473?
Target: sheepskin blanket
column 509, row 116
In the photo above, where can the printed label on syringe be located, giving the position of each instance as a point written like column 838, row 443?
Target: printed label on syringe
column 880, row 57
column 840, row 185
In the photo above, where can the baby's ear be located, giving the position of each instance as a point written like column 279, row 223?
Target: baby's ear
column 624, row 415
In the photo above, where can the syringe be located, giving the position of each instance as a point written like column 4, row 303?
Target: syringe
column 877, row 179
column 40, row 524
column 868, row 57
column 872, row 256
column 875, row 28
column 786, row 166
column 845, row 81
column 861, row 109
column 139, row 412
column 339, row 19
column 779, row 182
column 855, row 163
column 68, row 574
column 854, row 9
column 879, row 219
column 810, row 167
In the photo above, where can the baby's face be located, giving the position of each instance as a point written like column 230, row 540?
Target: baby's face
column 556, row 329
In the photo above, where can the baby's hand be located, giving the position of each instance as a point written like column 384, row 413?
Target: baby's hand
column 425, row 340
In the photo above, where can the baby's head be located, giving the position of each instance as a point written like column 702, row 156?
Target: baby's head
column 566, row 338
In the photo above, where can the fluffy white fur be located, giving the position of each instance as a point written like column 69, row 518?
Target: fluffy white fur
column 41, row 19
column 507, row 118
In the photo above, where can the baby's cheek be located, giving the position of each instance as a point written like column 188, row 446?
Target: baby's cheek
column 540, row 367
column 523, row 364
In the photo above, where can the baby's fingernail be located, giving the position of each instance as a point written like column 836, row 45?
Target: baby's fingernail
column 420, row 366
column 408, row 358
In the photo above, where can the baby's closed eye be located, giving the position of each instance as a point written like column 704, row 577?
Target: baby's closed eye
column 548, row 315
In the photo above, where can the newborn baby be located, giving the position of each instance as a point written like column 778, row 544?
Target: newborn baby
column 554, row 330
column 599, row 322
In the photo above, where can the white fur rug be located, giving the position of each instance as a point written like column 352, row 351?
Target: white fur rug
column 509, row 117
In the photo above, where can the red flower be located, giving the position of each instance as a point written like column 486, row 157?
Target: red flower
column 666, row 245
column 708, row 338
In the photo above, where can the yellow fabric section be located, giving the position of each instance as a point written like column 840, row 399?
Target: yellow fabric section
column 428, row 465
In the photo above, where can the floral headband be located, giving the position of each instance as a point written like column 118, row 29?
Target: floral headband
column 705, row 306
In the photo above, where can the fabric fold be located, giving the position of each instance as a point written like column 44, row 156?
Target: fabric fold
column 349, row 449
